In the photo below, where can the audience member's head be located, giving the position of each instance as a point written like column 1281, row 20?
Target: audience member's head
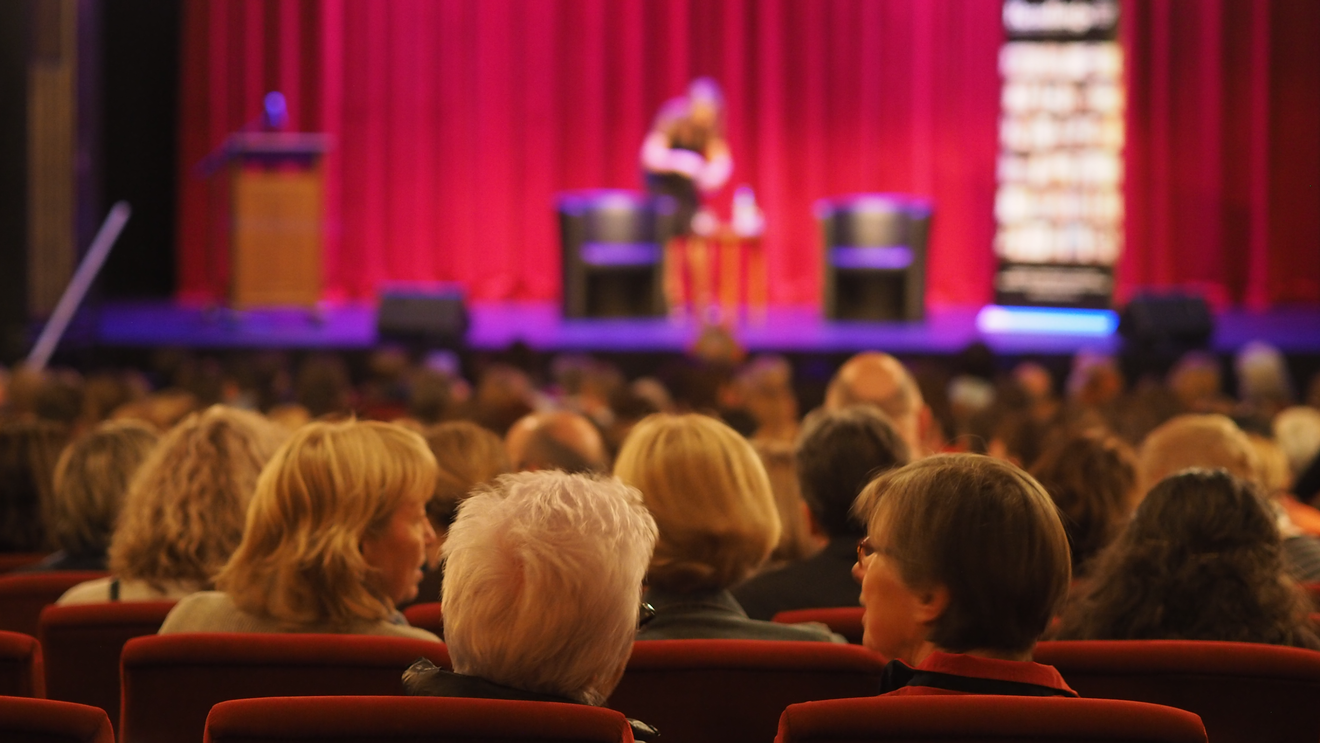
column 795, row 536
column 880, row 380
column 91, row 480
column 964, row 553
column 766, row 387
column 1095, row 380
column 337, row 530
column 1092, row 478
column 164, row 409
column 502, row 396
column 1197, row 382
column 838, row 453
column 29, row 450
column 1297, row 430
column 323, row 386
column 1209, row 441
column 468, row 455
column 559, row 440
column 1273, row 476
column 710, row 496
column 1200, row 560
column 1264, row 383
column 184, row 511
column 429, row 396
column 543, row 572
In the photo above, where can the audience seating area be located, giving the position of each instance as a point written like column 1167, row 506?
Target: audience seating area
column 21, row 673
column 1242, row 691
column 170, row 682
column 46, row 721
column 703, row 691
column 359, row 719
column 24, row 595
column 982, row 719
column 427, row 616
column 82, row 644
column 272, row 687
column 846, row 620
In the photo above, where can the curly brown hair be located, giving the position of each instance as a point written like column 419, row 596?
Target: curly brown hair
column 185, row 508
column 1200, row 560
column 1092, row 478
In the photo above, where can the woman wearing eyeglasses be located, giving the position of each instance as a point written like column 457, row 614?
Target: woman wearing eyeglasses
column 711, row 498
column 964, row 564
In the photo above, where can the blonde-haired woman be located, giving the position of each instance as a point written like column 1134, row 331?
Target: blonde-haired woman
column 184, row 511
column 711, row 499
column 336, row 538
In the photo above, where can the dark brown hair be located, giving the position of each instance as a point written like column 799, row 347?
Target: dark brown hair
column 985, row 531
column 1200, row 560
column 1092, row 477
column 838, row 453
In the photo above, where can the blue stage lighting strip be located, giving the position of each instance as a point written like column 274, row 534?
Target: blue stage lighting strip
column 1046, row 320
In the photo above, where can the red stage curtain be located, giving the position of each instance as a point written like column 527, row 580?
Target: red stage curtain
column 1223, row 156
column 457, row 121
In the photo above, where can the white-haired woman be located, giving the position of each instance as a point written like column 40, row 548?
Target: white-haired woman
column 543, row 578
column 336, row 538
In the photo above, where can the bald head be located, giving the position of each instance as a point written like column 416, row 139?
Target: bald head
column 1205, row 441
column 880, row 380
column 559, row 440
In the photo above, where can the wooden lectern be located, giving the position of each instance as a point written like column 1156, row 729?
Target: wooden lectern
column 275, row 206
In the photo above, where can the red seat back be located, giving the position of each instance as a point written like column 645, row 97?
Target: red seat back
column 170, row 682
column 46, row 721
column 428, row 616
column 14, row 560
column 24, row 595
column 81, row 644
column 702, row 691
column 846, row 620
column 20, row 666
column 360, row 719
column 1242, row 691
column 977, row 718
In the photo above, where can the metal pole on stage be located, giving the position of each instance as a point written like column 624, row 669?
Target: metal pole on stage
column 78, row 285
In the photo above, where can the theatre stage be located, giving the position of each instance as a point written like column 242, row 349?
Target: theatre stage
column 794, row 330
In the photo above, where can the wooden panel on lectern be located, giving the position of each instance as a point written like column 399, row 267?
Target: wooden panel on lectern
column 276, row 235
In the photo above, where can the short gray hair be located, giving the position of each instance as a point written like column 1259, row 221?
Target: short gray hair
column 543, row 574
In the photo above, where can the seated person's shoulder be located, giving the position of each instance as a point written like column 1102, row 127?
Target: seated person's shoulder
column 204, row 611
column 88, row 592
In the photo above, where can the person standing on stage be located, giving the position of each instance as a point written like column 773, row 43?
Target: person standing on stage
column 685, row 154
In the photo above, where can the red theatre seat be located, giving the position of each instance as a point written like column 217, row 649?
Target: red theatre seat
column 10, row 561
column 81, row 644
column 702, row 691
column 357, row 719
column 23, row 596
column 985, row 718
column 428, row 616
column 172, row 681
column 46, row 721
column 846, row 620
column 20, row 666
column 1243, row 691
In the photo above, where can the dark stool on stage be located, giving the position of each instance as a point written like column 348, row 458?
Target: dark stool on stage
column 613, row 251
column 875, row 256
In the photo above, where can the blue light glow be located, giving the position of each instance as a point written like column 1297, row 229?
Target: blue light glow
column 1046, row 320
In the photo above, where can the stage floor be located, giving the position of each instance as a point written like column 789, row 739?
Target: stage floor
column 540, row 326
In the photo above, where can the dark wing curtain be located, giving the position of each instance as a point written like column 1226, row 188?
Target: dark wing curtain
column 457, row 122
